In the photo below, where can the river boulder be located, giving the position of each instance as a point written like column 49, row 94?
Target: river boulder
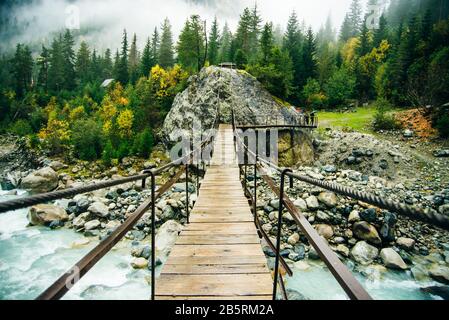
column 44, row 214
column 40, row 181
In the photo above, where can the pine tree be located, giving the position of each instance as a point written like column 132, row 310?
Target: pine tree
column 166, row 51
column 214, row 43
column 226, row 43
column 365, row 45
column 107, row 65
column 380, row 33
column 345, row 30
column 355, row 18
column 292, row 44
column 122, row 68
column 266, row 43
column 43, row 62
column 133, row 61
column 22, row 69
column 69, row 60
column 308, row 57
column 254, row 32
column 191, row 46
column 82, row 65
column 155, row 44
column 116, row 65
column 96, row 68
column 56, row 71
column 243, row 35
column 146, row 63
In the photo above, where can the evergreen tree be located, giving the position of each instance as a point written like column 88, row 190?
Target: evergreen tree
column 355, row 18
column 365, row 44
column 214, row 43
column 254, row 32
column 191, row 46
column 155, row 44
column 22, row 69
column 292, row 44
column 226, row 43
column 56, row 71
column 267, row 43
column 107, row 65
column 380, row 33
column 43, row 62
column 243, row 35
column 345, row 30
column 133, row 61
column 116, row 65
column 83, row 66
column 122, row 67
column 308, row 57
column 146, row 63
column 166, row 51
column 68, row 54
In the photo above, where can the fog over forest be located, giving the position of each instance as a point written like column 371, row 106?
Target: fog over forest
column 102, row 21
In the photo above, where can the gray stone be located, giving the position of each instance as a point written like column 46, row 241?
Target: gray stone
column 328, row 198
column 364, row 231
column 99, row 209
column 91, row 225
column 324, row 230
column 405, row 243
column 44, row 214
column 40, row 181
column 312, row 203
column 392, row 259
column 439, row 273
column 364, row 253
column 300, row 204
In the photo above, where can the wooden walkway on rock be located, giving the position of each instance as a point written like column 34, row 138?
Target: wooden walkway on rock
column 218, row 255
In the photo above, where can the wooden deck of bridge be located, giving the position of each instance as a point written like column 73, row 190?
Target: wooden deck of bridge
column 218, row 255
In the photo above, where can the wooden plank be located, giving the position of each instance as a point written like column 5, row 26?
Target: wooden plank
column 216, row 260
column 217, row 239
column 216, row 250
column 215, row 285
column 216, row 269
column 218, row 255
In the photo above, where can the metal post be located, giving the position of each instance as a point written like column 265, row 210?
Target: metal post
column 255, row 175
column 153, row 235
column 278, row 239
column 187, row 193
column 245, row 175
column 198, row 179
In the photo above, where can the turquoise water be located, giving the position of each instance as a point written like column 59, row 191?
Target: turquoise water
column 32, row 258
column 317, row 283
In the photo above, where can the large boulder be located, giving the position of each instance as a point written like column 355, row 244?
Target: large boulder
column 364, row 253
column 40, row 181
column 166, row 237
column 365, row 231
column 392, row 259
column 99, row 209
column 44, row 214
column 439, row 273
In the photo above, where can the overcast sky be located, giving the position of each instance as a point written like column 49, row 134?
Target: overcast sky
column 109, row 17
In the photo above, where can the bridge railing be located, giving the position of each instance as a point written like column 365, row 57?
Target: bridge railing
column 344, row 277
column 303, row 120
column 63, row 284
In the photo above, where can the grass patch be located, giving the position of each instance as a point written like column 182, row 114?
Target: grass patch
column 359, row 119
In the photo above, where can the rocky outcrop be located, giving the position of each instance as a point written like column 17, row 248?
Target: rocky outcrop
column 214, row 93
column 43, row 180
column 44, row 214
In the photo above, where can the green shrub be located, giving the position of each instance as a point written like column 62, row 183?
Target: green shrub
column 34, row 141
column 108, row 154
column 382, row 119
column 86, row 139
column 21, row 128
column 143, row 144
column 123, row 150
column 443, row 125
